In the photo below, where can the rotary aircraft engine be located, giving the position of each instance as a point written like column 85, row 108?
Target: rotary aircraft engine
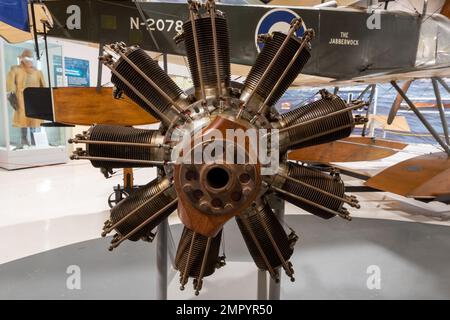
column 209, row 192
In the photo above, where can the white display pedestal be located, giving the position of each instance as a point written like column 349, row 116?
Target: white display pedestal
column 33, row 157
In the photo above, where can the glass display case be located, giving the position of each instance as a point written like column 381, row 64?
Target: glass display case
column 24, row 142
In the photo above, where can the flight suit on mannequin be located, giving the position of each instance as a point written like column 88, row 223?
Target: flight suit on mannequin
column 20, row 77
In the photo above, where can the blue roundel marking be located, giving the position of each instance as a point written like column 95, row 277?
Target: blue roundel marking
column 276, row 16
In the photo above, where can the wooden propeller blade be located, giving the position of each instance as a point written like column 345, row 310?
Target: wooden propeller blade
column 398, row 101
column 426, row 176
column 446, row 9
column 86, row 106
column 348, row 150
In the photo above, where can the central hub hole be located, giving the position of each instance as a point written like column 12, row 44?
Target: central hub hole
column 217, row 178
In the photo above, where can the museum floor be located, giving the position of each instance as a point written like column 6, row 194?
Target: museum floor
column 51, row 217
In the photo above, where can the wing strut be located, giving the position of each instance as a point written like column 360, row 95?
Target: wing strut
column 440, row 106
column 424, row 121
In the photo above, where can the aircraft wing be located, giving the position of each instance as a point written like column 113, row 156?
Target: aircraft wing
column 305, row 80
column 343, row 49
column 404, row 74
column 343, row 45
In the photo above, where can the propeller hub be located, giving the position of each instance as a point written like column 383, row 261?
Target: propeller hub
column 218, row 189
column 215, row 177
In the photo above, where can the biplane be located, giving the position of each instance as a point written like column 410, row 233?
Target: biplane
column 350, row 48
column 403, row 36
column 269, row 46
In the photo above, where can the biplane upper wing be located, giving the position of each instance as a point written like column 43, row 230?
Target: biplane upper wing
column 343, row 45
column 404, row 74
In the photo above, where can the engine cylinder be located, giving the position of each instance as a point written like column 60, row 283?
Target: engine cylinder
column 141, row 205
column 323, row 129
column 255, row 227
column 109, row 133
column 153, row 71
column 207, row 68
column 317, row 179
column 191, row 263
column 265, row 57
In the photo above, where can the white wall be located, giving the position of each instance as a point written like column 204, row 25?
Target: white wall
column 86, row 51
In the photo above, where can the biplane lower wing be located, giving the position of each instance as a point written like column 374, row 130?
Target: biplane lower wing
column 348, row 150
column 425, row 177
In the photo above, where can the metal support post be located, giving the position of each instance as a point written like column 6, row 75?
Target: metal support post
column 262, row 285
column 278, row 206
column 161, row 255
column 161, row 261
column 99, row 68
column 336, row 90
column 274, row 289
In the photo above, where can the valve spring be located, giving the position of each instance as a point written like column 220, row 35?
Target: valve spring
column 254, row 223
column 321, row 131
column 141, row 197
column 197, row 254
column 152, row 70
column 122, row 134
column 266, row 55
column 206, row 49
column 317, row 179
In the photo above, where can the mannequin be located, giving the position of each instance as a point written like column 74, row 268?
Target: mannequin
column 20, row 77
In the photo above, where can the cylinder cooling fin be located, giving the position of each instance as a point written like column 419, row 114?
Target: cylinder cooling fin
column 210, row 191
column 137, row 75
column 306, row 187
column 266, row 240
column 206, row 70
column 197, row 257
column 132, row 147
column 266, row 84
column 311, row 124
column 136, row 216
